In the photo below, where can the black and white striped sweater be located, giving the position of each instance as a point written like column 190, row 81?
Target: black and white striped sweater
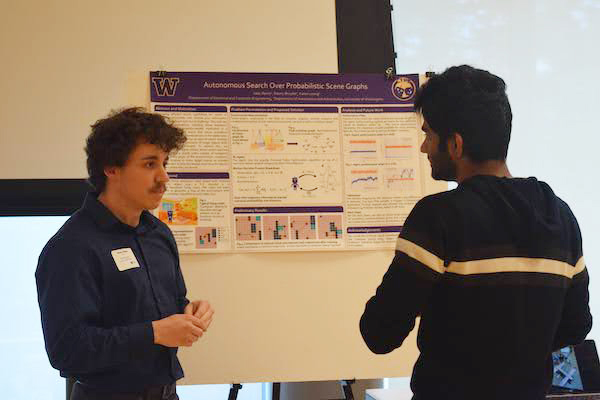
column 495, row 270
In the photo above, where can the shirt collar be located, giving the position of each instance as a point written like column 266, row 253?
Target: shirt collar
column 106, row 220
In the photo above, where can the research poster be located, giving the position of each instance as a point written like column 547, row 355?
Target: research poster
column 290, row 162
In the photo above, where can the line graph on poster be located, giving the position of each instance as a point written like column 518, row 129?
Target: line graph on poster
column 400, row 179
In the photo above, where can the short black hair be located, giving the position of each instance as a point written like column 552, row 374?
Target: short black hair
column 113, row 139
column 473, row 103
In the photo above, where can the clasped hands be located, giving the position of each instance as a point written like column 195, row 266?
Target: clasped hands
column 184, row 329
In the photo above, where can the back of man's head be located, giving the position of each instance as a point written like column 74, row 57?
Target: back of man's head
column 473, row 103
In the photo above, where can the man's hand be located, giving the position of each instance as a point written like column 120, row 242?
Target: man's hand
column 202, row 310
column 177, row 330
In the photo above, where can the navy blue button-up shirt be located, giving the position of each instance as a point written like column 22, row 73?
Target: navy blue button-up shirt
column 97, row 317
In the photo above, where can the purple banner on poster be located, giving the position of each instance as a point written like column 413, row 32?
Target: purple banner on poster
column 286, row 210
column 190, row 108
column 375, row 229
column 376, row 110
column 236, row 88
column 198, row 175
column 284, row 109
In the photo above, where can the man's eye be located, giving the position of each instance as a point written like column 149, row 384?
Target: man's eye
column 149, row 164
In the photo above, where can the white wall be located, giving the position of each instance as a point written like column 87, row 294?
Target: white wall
column 66, row 63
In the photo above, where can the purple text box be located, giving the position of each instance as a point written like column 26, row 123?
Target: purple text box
column 262, row 88
column 190, row 108
column 198, row 175
column 284, row 109
column 376, row 110
column 286, row 210
column 375, row 229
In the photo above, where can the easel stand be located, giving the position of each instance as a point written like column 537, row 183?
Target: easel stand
column 347, row 388
column 233, row 391
column 275, row 395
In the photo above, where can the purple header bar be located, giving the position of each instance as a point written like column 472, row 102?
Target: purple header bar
column 285, row 210
column 375, row 110
column 375, row 229
column 190, row 108
column 284, row 109
column 246, row 88
column 198, row 175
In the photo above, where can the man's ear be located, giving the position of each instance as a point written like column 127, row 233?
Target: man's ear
column 455, row 146
column 111, row 172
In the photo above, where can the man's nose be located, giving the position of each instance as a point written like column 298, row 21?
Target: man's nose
column 163, row 175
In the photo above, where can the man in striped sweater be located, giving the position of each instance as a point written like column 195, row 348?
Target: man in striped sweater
column 494, row 268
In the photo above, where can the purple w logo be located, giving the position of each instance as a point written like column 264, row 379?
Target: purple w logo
column 165, row 86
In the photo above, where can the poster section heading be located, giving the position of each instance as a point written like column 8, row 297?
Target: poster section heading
column 290, row 175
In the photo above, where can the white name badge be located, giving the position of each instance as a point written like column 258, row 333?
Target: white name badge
column 125, row 259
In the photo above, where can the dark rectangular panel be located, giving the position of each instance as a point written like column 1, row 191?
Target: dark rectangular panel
column 21, row 197
column 364, row 36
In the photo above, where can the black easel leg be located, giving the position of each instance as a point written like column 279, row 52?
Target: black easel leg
column 276, row 391
column 69, row 387
column 233, row 391
column 347, row 386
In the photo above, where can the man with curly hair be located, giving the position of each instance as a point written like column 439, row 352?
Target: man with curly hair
column 110, row 289
column 494, row 268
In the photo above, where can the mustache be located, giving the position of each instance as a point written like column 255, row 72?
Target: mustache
column 159, row 188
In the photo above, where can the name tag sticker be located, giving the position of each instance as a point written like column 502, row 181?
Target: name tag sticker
column 125, row 259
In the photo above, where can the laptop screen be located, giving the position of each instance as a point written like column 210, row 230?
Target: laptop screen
column 567, row 373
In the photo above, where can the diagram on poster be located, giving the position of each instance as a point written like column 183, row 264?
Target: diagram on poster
column 174, row 211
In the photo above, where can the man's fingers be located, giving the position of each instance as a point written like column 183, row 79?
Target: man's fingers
column 203, row 307
column 194, row 320
column 197, row 330
column 207, row 315
column 189, row 309
column 207, row 324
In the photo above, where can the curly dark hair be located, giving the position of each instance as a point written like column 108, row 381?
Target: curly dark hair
column 473, row 103
column 113, row 139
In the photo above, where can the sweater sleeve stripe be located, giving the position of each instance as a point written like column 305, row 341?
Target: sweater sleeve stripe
column 423, row 256
column 579, row 267
column 516, row 264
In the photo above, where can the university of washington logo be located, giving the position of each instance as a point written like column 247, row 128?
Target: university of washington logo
column 404, row 89
column 165, row 86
